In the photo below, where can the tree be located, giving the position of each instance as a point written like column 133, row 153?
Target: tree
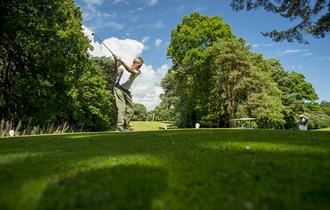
column 213, row 82
column 187, row 49
column 263, row 101
column 45, row 71
column 314, row 17
column 325, row 106
column 165, row 111
column 108, row 70
column 191, row 37
column 42, row 50
column 140, row 112
column 230, row 74
column 302, row 89
column 317, row 120
column 242, row 86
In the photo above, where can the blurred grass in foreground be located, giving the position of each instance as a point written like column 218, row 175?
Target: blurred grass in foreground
column 168, row 169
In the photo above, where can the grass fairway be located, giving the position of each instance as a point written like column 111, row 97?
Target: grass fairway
column 146, row 125
column 170, row 169
column 324, row 129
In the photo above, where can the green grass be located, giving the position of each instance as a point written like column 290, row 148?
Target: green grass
column 151, row 126
column 168, row 169
column 324, row 129
column 146, row 125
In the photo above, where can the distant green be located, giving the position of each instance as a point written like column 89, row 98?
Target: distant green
column 167, row 169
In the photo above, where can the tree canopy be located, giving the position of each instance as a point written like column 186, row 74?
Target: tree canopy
column 45, row 71
column 313, row 17
column 214, row 82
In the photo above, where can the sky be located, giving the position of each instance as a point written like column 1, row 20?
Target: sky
column 143, row 28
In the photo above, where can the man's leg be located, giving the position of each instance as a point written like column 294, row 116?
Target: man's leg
column 129, row 109
column 120, row 103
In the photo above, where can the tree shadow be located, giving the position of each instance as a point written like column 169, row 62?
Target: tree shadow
column 208, row 169
column 119, row 187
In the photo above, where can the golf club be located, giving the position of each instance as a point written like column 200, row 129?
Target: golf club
column 93, row 34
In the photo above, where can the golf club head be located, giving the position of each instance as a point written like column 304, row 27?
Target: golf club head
column 93, row 34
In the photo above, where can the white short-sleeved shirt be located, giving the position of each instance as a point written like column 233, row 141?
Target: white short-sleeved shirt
column 125, row 79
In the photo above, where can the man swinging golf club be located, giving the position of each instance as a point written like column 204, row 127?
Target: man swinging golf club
column 125, row 76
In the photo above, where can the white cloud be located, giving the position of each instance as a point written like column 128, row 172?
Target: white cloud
column 152, row 2
column 262, row 45
column 117, row 1
column 158, row 42
column 290, row 51
column 113, row 25
column 269, row 45
column 88, row 32
column 136, row 10
column 98, row 18
column 200, row 8
column 156, row 25
column 93, row 2
column 146, row 89
column 103, row 23
column 326, row 58
column 145, row 39
column 127, row 49
column 307, row 54
column 89, row 9
column 255, row 45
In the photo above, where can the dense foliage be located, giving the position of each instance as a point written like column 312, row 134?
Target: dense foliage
column 140, row 112
column 188, row 51
column 215, row 78
column 45, row 71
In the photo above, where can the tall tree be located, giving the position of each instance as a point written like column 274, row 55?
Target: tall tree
column 140, row 112
column 217, row 81
column 295, row 90
column 168, row 108
column 302, row 89
column 264, row 100
column 187, row 50
column 325, row 106
column 230, row 76
column 45, row 71
column 314, row 16
column 39, row 44
column 92, row 102
column 108, row 70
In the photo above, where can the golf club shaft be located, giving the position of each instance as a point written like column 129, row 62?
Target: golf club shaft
column 103, row 43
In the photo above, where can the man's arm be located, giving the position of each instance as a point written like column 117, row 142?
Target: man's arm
column 128, row 68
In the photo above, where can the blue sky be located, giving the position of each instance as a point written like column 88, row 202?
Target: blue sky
column 149, row 22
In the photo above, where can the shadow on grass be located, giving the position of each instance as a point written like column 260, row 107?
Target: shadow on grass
column 205, row 169
column 119, row 187
column 90, row 140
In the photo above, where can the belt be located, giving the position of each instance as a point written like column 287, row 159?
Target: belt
column 120, row 87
